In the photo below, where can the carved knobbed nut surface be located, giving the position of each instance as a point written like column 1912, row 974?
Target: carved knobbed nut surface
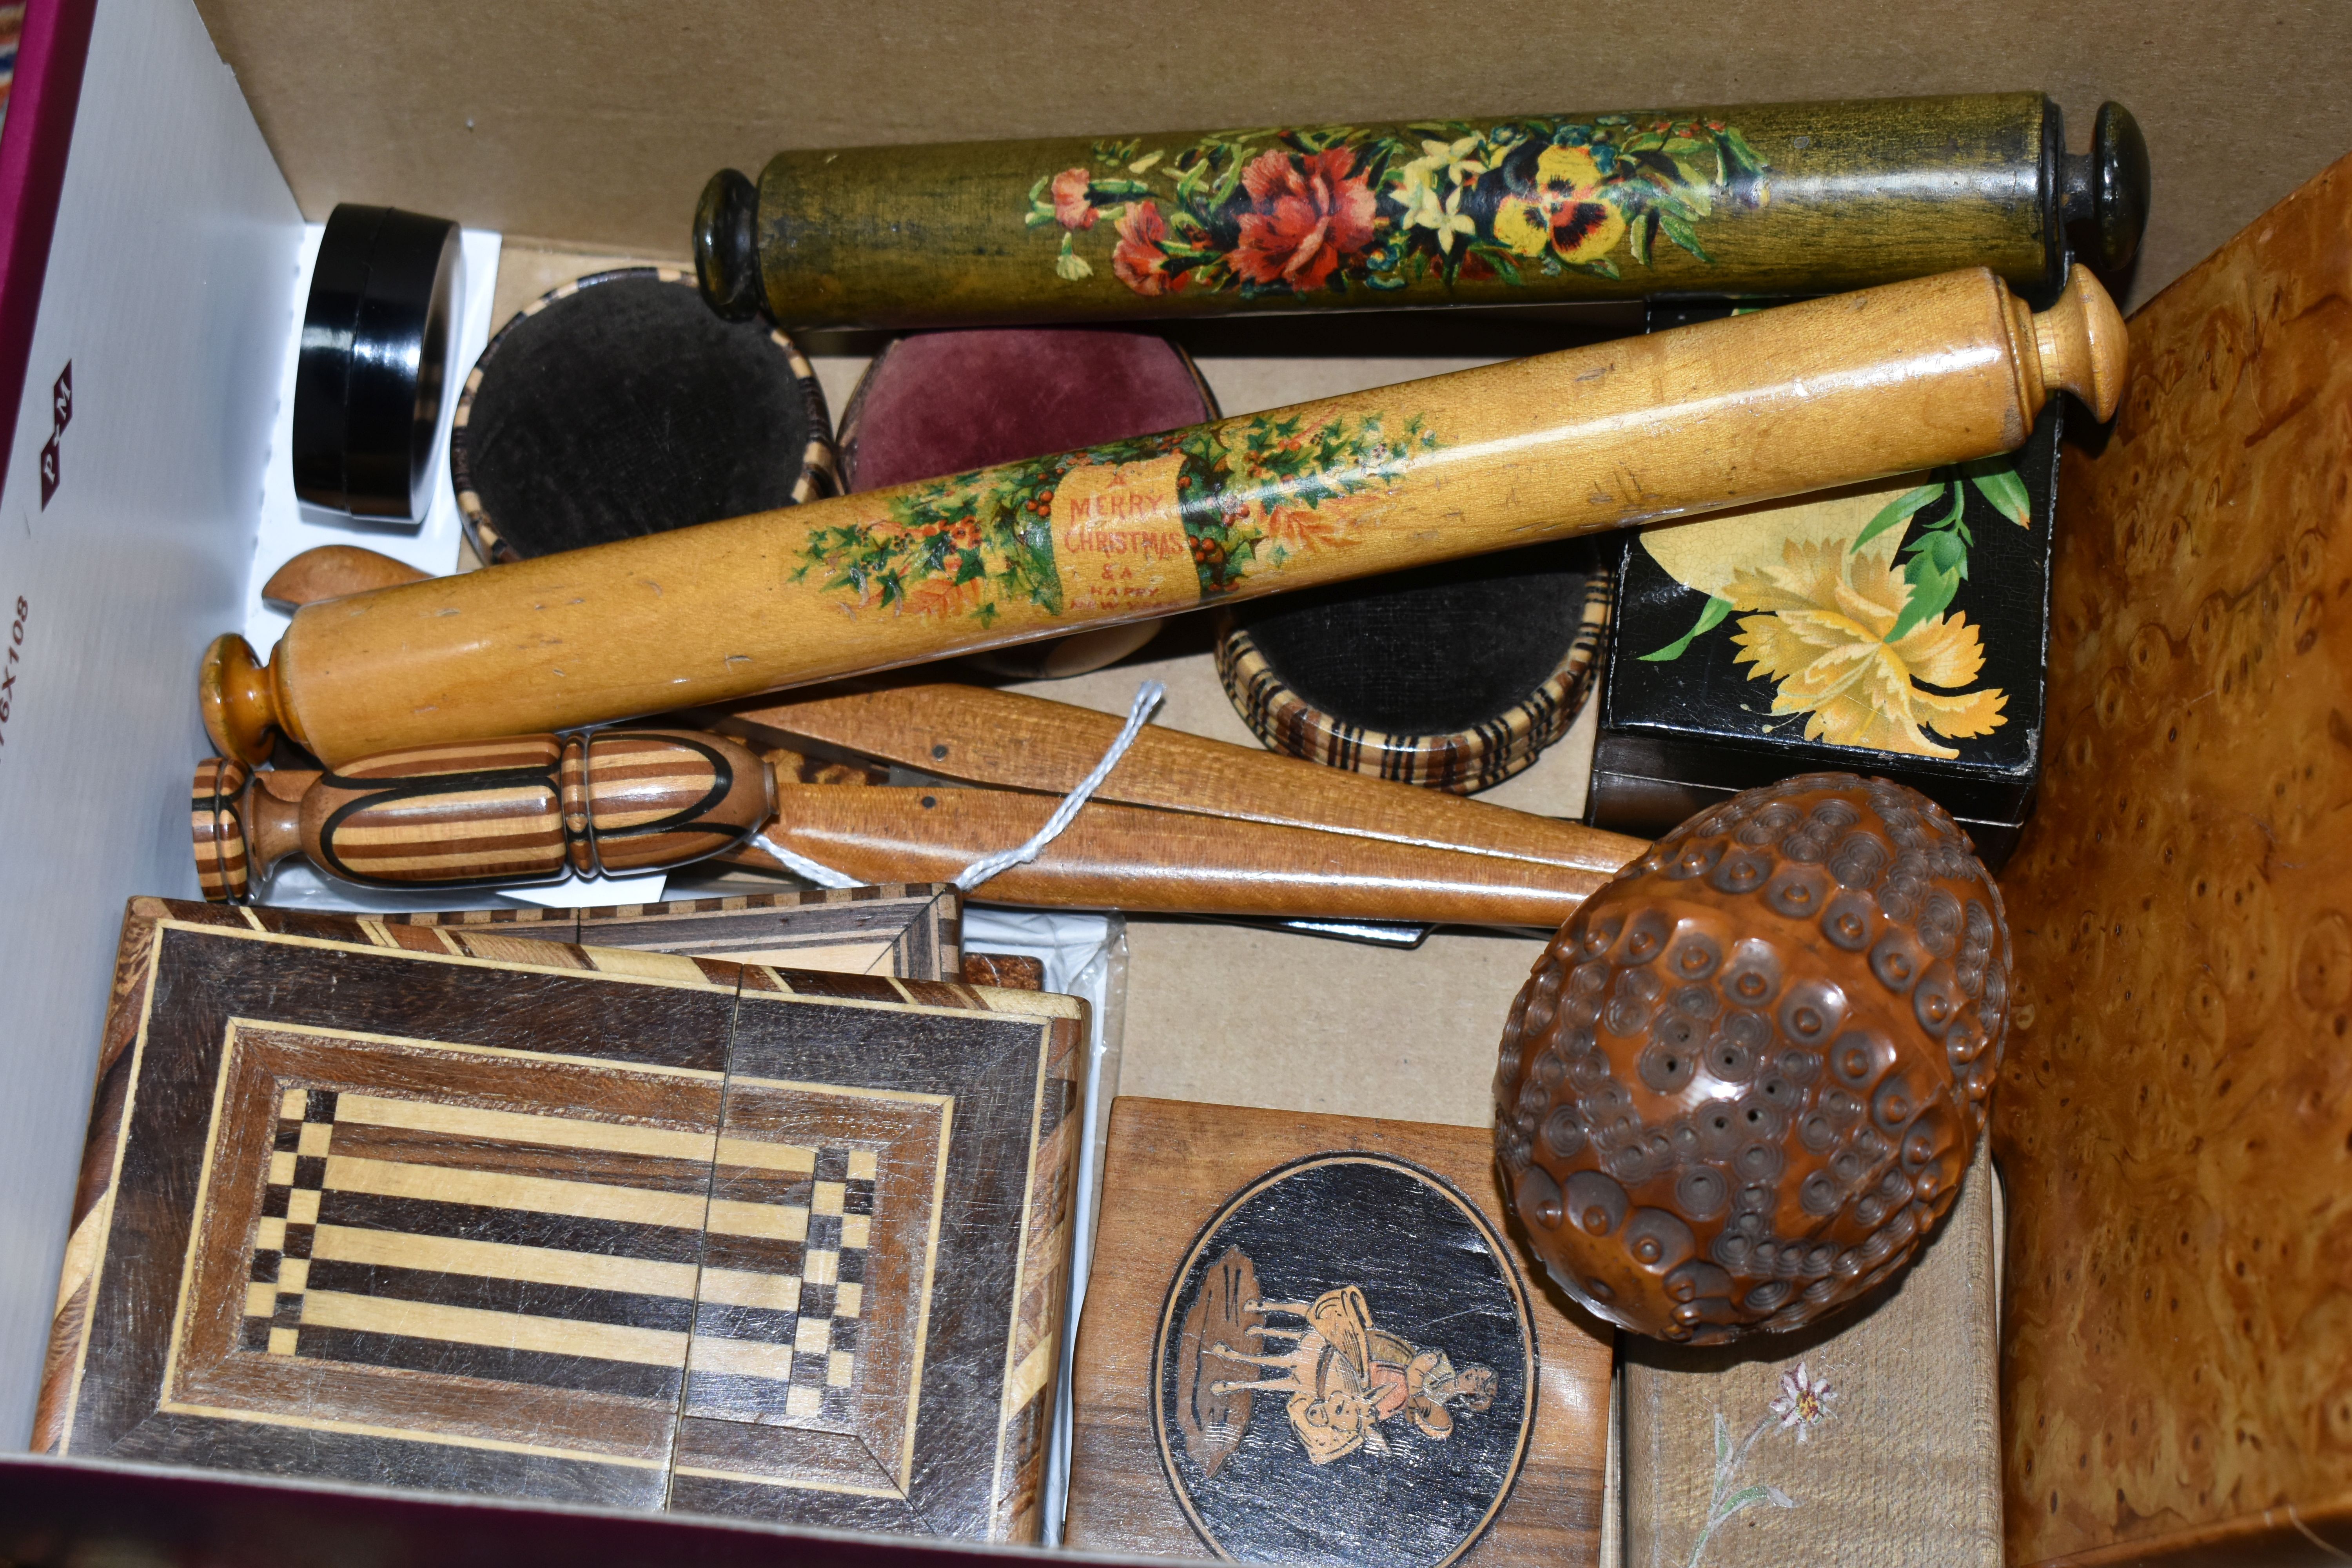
column 1744, row 1080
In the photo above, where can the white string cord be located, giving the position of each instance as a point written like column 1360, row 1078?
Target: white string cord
column 801, row 866
column 1148, row 697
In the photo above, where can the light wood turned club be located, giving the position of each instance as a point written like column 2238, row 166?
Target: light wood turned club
column 1182, row 825
column 1824, row 393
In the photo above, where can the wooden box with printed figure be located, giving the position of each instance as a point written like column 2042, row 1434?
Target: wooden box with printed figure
column 1313, row 1339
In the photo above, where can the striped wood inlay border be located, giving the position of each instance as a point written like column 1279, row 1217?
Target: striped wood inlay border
column 1463, row 762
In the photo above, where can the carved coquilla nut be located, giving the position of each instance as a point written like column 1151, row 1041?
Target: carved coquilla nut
column 1743, row 1082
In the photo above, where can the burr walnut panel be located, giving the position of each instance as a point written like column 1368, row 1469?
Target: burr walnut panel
column 2175, row 1116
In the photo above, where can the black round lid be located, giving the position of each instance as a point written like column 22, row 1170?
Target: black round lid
column 374, row 357
column 1431, row 651
column 620, row 405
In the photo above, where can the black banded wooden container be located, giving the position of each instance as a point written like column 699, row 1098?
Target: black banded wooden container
column 1452, row 678
column 1760, row 199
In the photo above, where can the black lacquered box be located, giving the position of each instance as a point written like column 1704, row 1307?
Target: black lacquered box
column 1897, row 629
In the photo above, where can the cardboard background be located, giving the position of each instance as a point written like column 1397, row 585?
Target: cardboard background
column 596, row 124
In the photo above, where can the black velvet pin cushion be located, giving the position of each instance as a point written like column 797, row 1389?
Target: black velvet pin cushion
column 618, row 405
column 1454, row 677
column 374, row 359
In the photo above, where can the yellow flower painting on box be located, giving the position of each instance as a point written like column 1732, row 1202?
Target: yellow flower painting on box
column 1843, row 602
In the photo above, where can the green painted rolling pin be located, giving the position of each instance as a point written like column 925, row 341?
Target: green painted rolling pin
column 1822, row 393
column 1766, row 199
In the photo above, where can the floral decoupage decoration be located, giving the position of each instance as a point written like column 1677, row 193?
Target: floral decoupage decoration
column 1802, row 1404
column 1844, row 604
column 1250, row 493
column 1295, row 212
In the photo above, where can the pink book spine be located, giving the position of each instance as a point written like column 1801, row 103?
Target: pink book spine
column 53, row 43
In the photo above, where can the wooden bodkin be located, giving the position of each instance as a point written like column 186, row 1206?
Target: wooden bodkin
column 1183, row 825
column 537, row 1220
column 1313, row 1338
column 2175, row 1120
column 1790, row 198
column 1130, row 857
column 981, row 735
column 1825, row 393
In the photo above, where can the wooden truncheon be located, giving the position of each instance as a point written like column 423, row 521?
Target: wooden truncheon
column 1790, row 198
column 1824, row 393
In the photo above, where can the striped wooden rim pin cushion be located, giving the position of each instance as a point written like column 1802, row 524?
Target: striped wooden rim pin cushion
column 613, row 406
column 1462, row 760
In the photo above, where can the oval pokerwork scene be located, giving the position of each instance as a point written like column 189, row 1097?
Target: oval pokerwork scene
column 1345, row 1369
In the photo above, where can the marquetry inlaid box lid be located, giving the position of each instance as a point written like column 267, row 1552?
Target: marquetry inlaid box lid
column 440, row 1206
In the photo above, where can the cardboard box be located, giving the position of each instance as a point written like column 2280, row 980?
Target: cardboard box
column 170, row 295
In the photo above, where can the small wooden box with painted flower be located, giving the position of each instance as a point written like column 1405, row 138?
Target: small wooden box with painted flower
column 1896, row 628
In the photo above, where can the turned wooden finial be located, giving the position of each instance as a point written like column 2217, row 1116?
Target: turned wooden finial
column 2104, row 193
column 244, row 822
column 2082, row 345
column 224, row 862
column 727, row 245
column 238, row 699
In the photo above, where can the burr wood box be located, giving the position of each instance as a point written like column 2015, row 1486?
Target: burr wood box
column 2175, row 1115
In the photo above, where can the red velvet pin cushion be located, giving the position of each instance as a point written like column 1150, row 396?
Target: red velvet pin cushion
column 941, row 403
